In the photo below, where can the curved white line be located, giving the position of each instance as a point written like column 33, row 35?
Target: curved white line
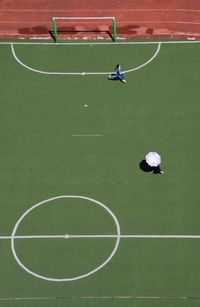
column 40, row 71
column 151, row 59
column 82, row 73
column 103, row 264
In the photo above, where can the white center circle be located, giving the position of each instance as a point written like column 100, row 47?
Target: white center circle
column 76, row 277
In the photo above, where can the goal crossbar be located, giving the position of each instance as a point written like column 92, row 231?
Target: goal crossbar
column 54, row 19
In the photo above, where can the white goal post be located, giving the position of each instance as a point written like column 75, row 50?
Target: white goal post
column 55, row 19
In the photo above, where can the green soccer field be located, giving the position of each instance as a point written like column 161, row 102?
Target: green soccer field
column 81, row 224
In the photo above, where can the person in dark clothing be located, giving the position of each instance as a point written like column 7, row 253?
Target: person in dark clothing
column 152, row 163
column 156, row 170
column 145, row 167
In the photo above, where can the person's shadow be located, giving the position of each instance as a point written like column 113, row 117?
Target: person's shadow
column 145, row 167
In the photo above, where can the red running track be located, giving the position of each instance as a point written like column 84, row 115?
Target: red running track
column 135, row 18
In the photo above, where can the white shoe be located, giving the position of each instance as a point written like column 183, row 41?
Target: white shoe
column 124, row 81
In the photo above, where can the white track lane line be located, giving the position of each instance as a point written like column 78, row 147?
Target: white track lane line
column 105, row 10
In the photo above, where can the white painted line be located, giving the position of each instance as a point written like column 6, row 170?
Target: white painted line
column 78, row 43
column 82, row 73
column 34, row 237
column 134, row 297
column 138, row 236
column 87, row 135
column 40, row 71
column 105, row 236
column 26, row 298
column 118, row 236
column 93, row 202
column 105, row 10
column 161, row 22
column 150, row 60
column 162, row 297
column 127, row 22
column 98, row 297
column 104, row 43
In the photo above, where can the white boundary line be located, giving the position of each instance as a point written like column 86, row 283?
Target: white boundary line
column 82, row 73
column 147, row 42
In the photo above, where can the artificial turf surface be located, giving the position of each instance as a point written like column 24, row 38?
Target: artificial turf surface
column 51, row 144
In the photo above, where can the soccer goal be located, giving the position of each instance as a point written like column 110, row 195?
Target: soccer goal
column 89, row 24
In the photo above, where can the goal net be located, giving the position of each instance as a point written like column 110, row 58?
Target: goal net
column 65, row 25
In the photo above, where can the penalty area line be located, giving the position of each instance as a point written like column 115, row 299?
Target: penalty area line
column 82, row 73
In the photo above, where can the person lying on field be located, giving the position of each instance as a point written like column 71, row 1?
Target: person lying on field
column 118, row 75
